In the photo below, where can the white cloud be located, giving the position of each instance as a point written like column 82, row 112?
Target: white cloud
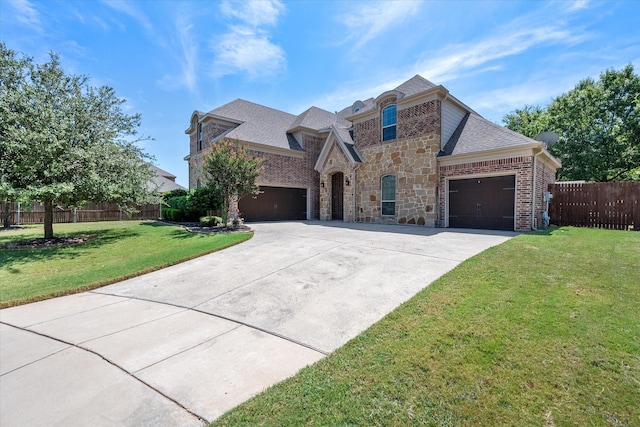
column 255, row 13
column 578, row 5
column 246, row 50
column 457, row 61
column 246, row 47
column 466, row 57
column 186, row 56
column 369, row 20
column 128, row 8
column 26, row 13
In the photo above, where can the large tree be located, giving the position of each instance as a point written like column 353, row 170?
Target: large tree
column 231, row 172
column 64, row 142
column 599, row 127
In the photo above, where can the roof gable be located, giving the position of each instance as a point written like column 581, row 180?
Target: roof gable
column 415, row 84
column 260, row 124
column 316, row 119
column 342, row 138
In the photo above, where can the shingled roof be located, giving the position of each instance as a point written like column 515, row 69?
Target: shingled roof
column 261, row 124
column 268, row 126
column 475, row 134
column 415, row 84
column 316, row 118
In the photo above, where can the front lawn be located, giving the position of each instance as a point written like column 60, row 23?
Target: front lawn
column 113, row 251
column 543, row 330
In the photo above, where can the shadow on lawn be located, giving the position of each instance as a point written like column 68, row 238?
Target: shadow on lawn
column 11, row 258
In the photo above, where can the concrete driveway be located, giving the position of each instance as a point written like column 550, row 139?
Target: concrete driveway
column 183, row 345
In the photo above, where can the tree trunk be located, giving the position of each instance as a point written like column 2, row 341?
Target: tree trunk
column 225, row 212
column 48, row 219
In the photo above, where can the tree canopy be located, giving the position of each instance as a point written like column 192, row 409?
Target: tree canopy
column 64, row 142
column 231, row 172
column 599, row 127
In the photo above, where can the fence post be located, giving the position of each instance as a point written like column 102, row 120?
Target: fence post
column 18, row 213
column 75, row 215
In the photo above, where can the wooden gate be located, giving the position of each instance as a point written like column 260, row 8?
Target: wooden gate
column 614, row 205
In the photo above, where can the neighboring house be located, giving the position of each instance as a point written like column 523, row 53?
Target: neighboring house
column 412, row 155
column 163, row 180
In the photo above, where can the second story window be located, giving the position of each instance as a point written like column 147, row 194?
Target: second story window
column 199, row 136
column 389, row 123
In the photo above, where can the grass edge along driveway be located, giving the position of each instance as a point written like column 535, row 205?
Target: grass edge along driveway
column 113, row 252
column 541, row 330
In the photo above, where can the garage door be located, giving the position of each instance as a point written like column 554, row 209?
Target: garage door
column 482, row 203
column 275, row 204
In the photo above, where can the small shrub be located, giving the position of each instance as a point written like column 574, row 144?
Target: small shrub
column 210, row 221
column 171, row 214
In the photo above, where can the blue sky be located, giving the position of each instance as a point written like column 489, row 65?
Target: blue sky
column 169, row 58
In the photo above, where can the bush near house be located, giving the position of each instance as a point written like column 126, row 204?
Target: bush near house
column 210, row 221
column 189, row 205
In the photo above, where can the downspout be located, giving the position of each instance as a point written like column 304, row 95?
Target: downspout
column 534, row 225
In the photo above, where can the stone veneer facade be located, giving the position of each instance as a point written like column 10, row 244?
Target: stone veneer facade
column 336, row 162
column 413, row 162
column 411, row 157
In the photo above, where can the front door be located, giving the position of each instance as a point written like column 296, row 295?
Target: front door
column 337, row 194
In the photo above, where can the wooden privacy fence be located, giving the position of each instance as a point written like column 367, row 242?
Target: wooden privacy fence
column 34, row 213
column 614, row 205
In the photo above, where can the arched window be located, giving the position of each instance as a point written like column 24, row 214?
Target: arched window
column 389, row 123
column 388, row 186
column 198, row 184
column 199, row 136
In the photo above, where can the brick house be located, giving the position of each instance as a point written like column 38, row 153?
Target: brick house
column 412, row 155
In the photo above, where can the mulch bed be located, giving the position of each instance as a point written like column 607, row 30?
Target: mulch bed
column 195, row 227
column 41, row 242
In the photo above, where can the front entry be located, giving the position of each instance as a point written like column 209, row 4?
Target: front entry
column 337, row 195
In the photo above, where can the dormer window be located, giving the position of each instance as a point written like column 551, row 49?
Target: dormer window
column 357, row 106
column 389, row 123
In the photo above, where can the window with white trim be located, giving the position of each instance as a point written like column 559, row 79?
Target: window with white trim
column 388, row 187
column 389, row 123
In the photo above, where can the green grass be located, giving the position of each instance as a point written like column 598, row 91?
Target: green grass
column 114, row 251
column 543, row 330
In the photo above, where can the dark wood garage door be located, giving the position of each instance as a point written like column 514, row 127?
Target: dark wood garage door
column 275, row 204
column 482, row 203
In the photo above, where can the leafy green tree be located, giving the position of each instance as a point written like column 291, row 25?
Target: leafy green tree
column 63, row 142
column 231, row 173
column 528, row 121
column 599, row 127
